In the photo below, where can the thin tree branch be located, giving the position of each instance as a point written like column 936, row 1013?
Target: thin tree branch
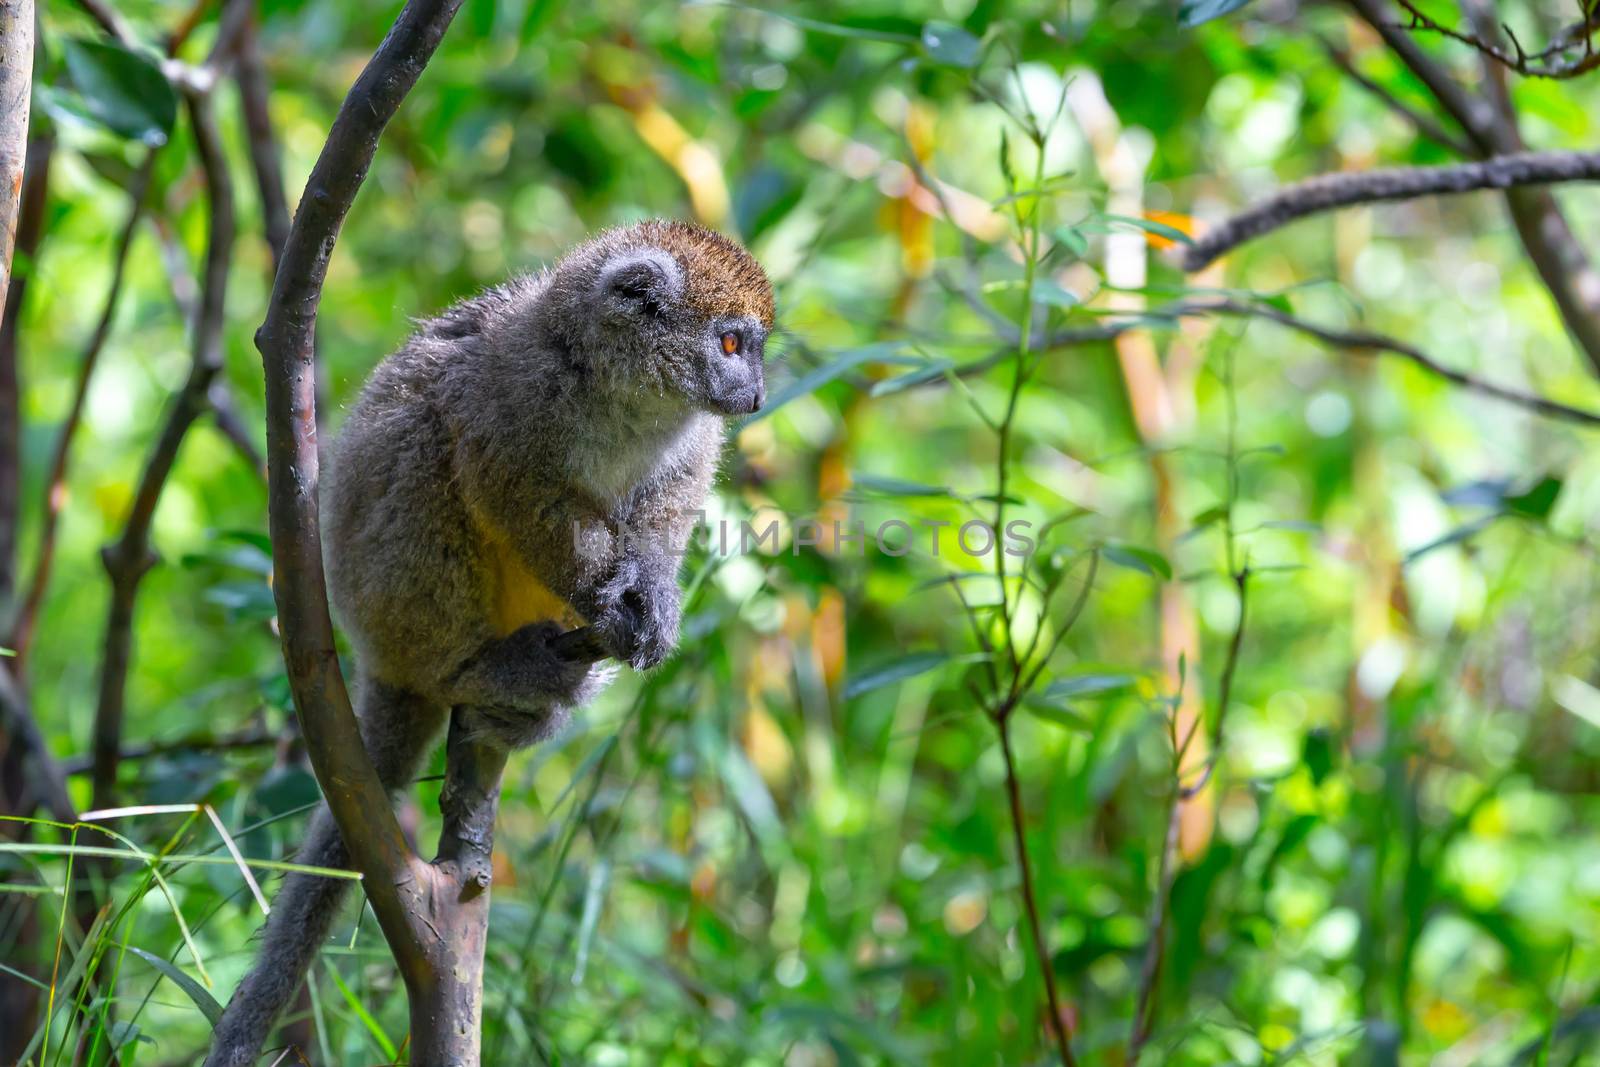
column 108, row 19
column 1058, row 1022
column 130, row 558
column 45, row 782
column 1156, row 924
column 55, row 484
column 265, row 157
column 226, row 416
column 397, row 883
column 255, row 737
column 16, row 81
column 1330, row 192
column 30, row 232
column 1549, row 62
column 1357, row 342
column 1475, row 114
column 1561, row 260
column 1363, row 342
column 1424, row 123
column 26, row 619
column 1150, row 970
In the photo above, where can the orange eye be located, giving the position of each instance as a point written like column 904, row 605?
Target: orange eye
column 730, row 343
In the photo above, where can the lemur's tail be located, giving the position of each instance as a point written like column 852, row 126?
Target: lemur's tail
column 399, row 729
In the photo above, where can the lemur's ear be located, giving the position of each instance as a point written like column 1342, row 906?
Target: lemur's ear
column 646, row 282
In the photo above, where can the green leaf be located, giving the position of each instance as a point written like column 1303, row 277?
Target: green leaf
column 364, row 1015
column 122, row 90
column 1072, row 239
column 1082, row 685
column 842, row 363
column 243, row 601
column 884, row 486
column 1207, row 518
column 1060, row 716
column 1535, row 503
column 1108, row 223
column 1292, row 526
column 950, row 45
column 929, row 372
column 1318, row 754
column 894, row 671
column 1049, row 293
column 1454, row 537
column 1145, row 560
column 1193, row 12
column 196, row 992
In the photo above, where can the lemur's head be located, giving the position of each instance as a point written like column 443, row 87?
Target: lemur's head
column 683, row 310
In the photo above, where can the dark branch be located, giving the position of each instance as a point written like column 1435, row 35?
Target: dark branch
column 1560, row 258
column 265, row 157
column 1552, row 61
column 43, row 782
column 1358, row 342
column 251, row 738
column 55, row 483
column 1423, row 122
column 396, row 880
column 106, row 17
column 130, row 558
column 30, row 233
column 1330, row 192
column 1058, row 1023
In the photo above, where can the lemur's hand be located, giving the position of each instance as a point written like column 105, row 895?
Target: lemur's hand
column 538, row 645
column 638, row 610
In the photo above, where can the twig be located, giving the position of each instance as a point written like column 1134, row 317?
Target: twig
column 253, row 738
column 1156, row 924
column 1560, row 258
column 226, row 416
column 1549, row 62
column 55, row 483
column 265, row 157
column 21, row 731
column 130, row 558
column 1150, row 969
column 1332, row 191
column 30, row 232
column 1423, row 123
column 1361, row 342
column 108, row 19
column 1358, row 342
column 1058, row 1024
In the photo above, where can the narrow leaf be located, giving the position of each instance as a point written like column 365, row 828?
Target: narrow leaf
column 196, row 992
column 894, row 671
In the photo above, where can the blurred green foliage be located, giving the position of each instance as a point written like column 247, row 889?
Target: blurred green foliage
column 793, row 843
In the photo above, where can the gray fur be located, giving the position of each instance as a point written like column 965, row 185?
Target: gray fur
column 534, row 422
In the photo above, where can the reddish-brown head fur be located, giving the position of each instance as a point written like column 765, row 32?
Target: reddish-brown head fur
column 721, row 277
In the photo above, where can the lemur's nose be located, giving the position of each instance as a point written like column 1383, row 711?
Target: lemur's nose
column 759, row 398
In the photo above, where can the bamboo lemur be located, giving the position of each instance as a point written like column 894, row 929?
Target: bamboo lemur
column 473, row 512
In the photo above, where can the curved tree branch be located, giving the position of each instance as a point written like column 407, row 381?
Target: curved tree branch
column 130, row 558
column 1359, row 342
column 433, row 916
column 1330, row 192
column 1552, row 61
column 55, row 483
column 1422, row 122
column 1561, row 260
